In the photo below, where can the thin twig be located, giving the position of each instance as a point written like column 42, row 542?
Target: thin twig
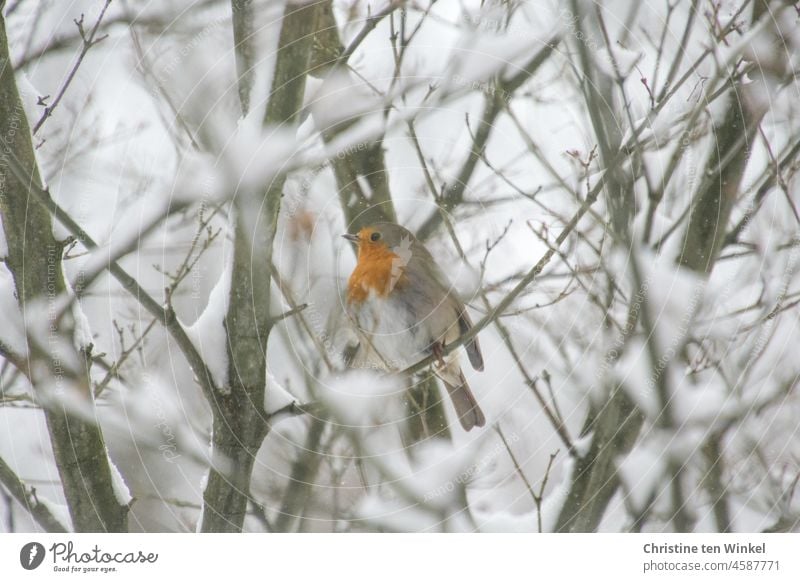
column 778, row 175
column 290, row 313
column 517, row 467
column 164, row 314
column 369, row 24
column 518, row 288
column 287, row 293
column 539, row 497
column 88, row 42
column 146, row 68
column 493, row 105
column 113, row 372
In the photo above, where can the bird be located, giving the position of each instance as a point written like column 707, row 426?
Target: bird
column 404, row 310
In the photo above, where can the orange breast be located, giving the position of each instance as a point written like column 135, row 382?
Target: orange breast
column 378, row 270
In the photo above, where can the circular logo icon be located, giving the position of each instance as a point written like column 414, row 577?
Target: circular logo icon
column 31, row 555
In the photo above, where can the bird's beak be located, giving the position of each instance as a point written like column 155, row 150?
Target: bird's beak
column 353, row 238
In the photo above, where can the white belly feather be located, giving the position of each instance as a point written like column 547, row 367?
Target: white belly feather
column 387, row 325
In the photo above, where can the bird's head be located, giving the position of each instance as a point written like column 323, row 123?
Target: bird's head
column 380, row 238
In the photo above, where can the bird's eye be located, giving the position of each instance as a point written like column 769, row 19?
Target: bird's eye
column 374, row 236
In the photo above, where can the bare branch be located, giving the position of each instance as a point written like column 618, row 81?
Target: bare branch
column 493, row 105
column 500, row 308
column 89, row 40
column 27, row 498
column 163, row 313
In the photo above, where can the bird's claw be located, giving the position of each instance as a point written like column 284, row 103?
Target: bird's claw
column 438, row 353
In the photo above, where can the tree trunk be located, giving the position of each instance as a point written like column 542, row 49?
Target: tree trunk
column 34, row 259
column 239, row 425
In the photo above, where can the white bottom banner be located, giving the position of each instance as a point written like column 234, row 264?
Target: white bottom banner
column 401, row 557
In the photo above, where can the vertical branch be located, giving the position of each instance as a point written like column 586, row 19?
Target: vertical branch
column 426, row 416
column 713, row 482
column 243, row 38
column 34, row 259
column 364, row 164
column 360, row 207
column 682, row 518
column 594, row 480
column 301, row 478
column 708, row 224
column 327, row 50
column 712, row 204
column 238, row 425
column 616, row 422
column 598, row 93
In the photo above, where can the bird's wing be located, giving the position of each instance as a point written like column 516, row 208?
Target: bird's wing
column 473, row 347
column 421, row 254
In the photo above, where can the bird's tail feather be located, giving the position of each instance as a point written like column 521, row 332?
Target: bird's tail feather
column 469, row 413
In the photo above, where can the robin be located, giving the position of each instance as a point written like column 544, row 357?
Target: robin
column 404, row 310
